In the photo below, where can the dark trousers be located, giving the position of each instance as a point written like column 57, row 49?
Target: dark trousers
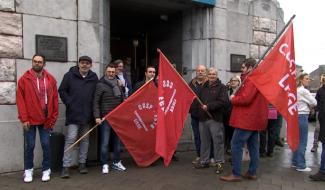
column 268, row 137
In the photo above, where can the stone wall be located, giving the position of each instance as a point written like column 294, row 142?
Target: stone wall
column 85, row 25
column 245, row 27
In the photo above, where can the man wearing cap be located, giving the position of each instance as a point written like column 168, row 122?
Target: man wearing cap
column 77, row 93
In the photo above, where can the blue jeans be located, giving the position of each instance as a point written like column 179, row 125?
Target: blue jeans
column 105, row 132
column 196, row 133
column 322, row 162
column 298, row 158
column 239, row 138
column 29, row 136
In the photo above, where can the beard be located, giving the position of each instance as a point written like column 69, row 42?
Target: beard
column 37, row 69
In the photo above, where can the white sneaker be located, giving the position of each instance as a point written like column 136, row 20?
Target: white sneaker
column 306, row 169
column 28, row 175
column 105, row 169
column 118, row 166
column 46, row 175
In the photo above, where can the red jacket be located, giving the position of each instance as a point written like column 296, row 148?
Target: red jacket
column 28, row 103
column 250, row 108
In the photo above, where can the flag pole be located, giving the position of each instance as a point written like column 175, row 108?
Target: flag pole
column 198, row 99
column 268, row 49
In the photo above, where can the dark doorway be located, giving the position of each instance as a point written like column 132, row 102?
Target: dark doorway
column 139, row 27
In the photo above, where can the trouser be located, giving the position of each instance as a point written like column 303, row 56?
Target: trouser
column 316, row 132
column 267, row 137
column 214, row 130
column 29, row 137
column 106, row 132
column 73, row 132
column 298, row 158
column 238, row 141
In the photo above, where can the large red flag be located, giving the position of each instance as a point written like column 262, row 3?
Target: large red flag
column 174, row 99
column 275, row 78
column 135, row 122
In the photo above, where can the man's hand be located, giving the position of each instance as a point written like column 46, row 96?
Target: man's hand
column 119, row 83
column 204, row 107
column 98, row 121
column 231, row 97
column 26, row 125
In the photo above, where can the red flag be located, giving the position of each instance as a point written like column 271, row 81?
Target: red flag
column 134, row 121
column 275, row 78
column 174, row 99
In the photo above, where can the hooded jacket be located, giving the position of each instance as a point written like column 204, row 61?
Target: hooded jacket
column 250, row 108
column 77, row 93
column 28, row 100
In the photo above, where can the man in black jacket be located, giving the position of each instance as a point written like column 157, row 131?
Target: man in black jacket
column 320, row 97
column 77, row 93
column 196, row 85
column 214, row 96
column 108, row 95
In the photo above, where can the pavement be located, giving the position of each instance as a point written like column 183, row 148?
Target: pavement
column 274, row 173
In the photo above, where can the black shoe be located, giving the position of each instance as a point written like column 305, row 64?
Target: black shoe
column 65, row 173
column 318, row 177
column 175, row 158
column 83, row 168
column 201, row 165
column 279, row 143
column 219, row 168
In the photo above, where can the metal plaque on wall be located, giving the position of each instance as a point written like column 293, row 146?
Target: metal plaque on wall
column 52, row 47
column 236, row 62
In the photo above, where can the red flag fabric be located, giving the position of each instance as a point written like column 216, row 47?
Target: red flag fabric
column 174, row 99
column 134, row 121
column 275, row 78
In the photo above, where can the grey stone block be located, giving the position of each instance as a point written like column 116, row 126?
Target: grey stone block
column 259, row 38
column 239, row 27
column 254, row 53
column 10, row 23
column 34, row 25
column 7, row 93
column 219, row 23
column 65, row 9
column 10, row 46
column 7, row 70
column 89, row 41
column 7, row 5
column 269, row 38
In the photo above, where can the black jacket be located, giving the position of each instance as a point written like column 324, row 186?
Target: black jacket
column 197, row 88
column 215, row 96
column 320, row 97
column 77, row 93
column 105, row 100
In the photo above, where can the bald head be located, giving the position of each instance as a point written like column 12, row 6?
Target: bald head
column 201, row 72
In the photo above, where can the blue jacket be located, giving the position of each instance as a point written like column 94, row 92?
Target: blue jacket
column 77, row 93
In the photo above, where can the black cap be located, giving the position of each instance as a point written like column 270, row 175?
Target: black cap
column 85, row 58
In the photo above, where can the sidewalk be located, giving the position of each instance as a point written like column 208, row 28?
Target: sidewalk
column 274, row 174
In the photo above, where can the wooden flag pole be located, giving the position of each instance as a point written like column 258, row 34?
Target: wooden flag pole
column 198, row 99
column 83, row 136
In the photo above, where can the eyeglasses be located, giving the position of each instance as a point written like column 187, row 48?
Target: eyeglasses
column 151, row 71
column 234, row 80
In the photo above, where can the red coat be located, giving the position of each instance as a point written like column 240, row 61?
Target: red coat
column 250, row 108
column 28, row 103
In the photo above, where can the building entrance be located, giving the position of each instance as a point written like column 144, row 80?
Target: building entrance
column 139, row 27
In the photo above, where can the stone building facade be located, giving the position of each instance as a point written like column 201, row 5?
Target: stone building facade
column 199, row 34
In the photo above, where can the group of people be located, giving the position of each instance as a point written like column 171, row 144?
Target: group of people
column 239, row 117
column 88, row 99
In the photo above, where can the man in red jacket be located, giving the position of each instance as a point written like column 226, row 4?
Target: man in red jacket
column 248, row 117
column 37, row 102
